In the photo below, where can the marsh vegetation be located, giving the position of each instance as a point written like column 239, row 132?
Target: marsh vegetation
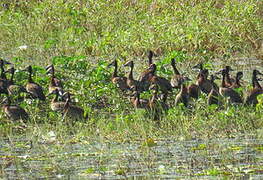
column 81, row 38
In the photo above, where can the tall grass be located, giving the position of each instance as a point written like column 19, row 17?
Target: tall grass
column 127, row 28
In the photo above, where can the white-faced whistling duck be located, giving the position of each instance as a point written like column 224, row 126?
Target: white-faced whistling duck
column 14, row 112
column 213, row 96
column 194, row 89
column 72, row 111
column 204, row 84
column 136, row 100
column 182, row 96
column 14, row 89
column 237, row 84
column 251, row 98
column 156, row 106
column 55, row 83
column 232, row 95
column 35, row 90
column 163, row 84
column 131, row 82
column 228, row 80
column 55, row 104
column 176, row 79
column 121, row 82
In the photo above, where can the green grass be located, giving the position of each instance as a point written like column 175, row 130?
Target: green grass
column 127, row 29
column 80, row 38
column 111, row 115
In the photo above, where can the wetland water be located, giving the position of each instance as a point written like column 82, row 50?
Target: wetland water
column 240, row 157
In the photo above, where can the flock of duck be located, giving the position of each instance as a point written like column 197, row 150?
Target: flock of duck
column 160, row 87
column 61, row 101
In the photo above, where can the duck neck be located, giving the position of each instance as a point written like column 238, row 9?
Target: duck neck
column 175, row 69
column 137, row 99
column 255, row 82
column 150, row 59
column 3, row 76
column 52, row 72
column 12, row 77
column 131, row 72
column 115, row 70
column 30, row 80
column 227, row 78
column 237, row 81
column 223, row 84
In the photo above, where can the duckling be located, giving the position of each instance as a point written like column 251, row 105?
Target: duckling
column 14, row 112
column 35, row 90
column 251, row 98
column 234, row 97
column 213, row 96
column 137, row 101
column 14, row 89
column 56, row 105
column 176, row 77
column 55, row 83
column 121, row 82
column 237, row 84
column 204, row 84
column 72, row 111
column 182, row 96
